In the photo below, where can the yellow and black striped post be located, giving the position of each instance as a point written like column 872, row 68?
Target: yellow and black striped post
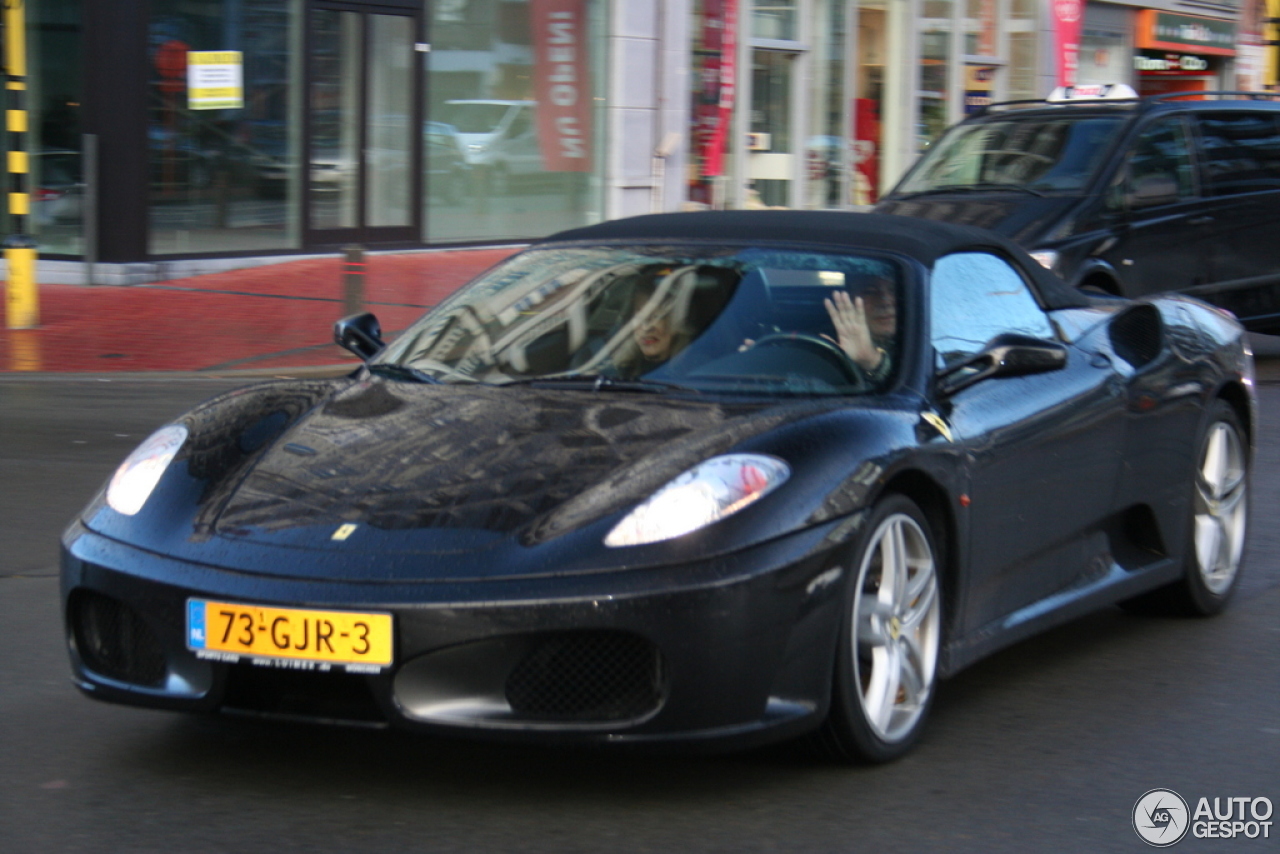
column 22, row 298
column 1271, row 39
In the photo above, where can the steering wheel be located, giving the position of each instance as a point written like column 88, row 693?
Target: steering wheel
column 829, row 350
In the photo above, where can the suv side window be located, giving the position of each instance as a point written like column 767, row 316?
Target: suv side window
column 975, row 296
column 1163, row 150
column 1159, row 165
column 1241, row 150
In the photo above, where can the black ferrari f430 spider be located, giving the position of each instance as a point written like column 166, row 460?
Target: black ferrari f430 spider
column 722, row 477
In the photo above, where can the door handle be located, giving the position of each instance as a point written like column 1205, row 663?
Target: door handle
column 1200, row 220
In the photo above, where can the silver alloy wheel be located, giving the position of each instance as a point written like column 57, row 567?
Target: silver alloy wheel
column 1221, row 508
column 896, row 627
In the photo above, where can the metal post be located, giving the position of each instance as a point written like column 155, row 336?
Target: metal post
column 22, row 297
column 89, row 153
column 352, row 280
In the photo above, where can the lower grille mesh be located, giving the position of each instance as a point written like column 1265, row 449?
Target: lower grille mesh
column 114, row 641
column 587, row 676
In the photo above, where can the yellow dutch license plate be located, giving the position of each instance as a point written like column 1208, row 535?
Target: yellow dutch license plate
column 298, row 634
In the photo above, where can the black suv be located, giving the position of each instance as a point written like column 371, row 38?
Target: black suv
column 1122, row 194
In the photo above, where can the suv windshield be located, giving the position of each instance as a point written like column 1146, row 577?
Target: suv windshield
column 706, row 319
column 1044, row 153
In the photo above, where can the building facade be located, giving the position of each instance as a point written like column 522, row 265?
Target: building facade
column 171, row 131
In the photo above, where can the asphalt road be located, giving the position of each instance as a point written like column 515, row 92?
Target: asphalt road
column 1044, row 747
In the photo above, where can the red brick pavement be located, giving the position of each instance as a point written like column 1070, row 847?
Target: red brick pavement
column 269, row 317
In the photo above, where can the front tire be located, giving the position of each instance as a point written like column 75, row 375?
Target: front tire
column 886, row 662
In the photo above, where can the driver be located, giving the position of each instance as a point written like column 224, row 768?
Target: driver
column 866, row 324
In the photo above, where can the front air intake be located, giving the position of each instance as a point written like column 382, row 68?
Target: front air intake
column 114, row 641
column 592, row 676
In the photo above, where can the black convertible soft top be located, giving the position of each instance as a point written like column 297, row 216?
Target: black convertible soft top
column 924, row 240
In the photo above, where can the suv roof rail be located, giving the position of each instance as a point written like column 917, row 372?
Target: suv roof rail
column 1043, row 103
column 1241, row 95
column 1000, row 105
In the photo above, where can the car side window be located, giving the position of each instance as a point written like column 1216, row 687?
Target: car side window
column 976, row 296
column 1241, row 151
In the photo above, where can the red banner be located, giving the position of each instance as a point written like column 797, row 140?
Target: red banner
column 713, row 152
column 706, row 90
column 1067, row 17
column 562, row 84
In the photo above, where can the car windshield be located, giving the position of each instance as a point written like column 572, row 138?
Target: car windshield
column 1047, row 154
column 707, row 319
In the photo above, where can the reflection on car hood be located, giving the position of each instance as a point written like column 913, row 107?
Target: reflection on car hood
column 1019, row 216
column 399, row 456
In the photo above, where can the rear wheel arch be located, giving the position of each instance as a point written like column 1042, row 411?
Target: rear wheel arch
column 1218, row 515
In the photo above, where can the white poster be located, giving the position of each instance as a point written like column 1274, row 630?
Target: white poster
column 215, row 79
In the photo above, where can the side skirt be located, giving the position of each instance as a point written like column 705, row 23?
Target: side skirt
column 1115, row 585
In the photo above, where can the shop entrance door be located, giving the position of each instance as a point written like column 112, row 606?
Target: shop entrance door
column 362, row 179
column 771, row 167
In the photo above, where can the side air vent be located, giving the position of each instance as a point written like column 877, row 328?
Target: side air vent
column 113, row 640
column 1137, row 334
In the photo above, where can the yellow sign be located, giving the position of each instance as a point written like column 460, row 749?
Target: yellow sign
column 215, row 80
column 337, row 637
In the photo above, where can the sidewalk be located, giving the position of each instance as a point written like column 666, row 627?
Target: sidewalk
column 276, row 316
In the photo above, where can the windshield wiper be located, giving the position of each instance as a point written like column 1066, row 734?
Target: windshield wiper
column 600, row 382
column 403, row 372
column 984, row 187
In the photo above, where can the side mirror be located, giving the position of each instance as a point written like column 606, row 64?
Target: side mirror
column 361, row 334
column 1151, row 190
column 1006, row 355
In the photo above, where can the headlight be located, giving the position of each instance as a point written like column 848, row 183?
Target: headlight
column 138, row 475
column 706, row 493
column 1046, row 257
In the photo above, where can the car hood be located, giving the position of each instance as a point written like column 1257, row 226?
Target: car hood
column 443, row 468
column 1021, row 217
column 371, row 480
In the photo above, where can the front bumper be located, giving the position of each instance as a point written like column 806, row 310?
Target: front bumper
column 737, row 648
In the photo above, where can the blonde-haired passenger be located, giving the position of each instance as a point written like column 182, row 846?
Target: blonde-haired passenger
column 659, row 324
